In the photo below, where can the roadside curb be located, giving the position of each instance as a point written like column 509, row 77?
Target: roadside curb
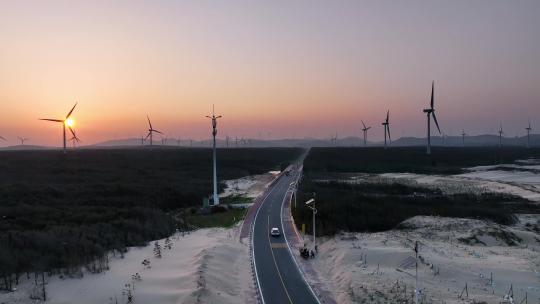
column 321, row 294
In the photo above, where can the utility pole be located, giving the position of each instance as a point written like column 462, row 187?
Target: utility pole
column 214, row 119
column 416, row 274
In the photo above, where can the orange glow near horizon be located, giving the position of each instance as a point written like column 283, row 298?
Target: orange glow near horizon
column 304, row 70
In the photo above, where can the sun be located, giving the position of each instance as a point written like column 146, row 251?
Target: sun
column 70, row 122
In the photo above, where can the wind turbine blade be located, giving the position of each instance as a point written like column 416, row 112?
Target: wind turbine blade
column 69, row 114
column 432, row 91
column 435, row 120
column 2, row 138
column 368, row 128
column 363, row 124
column 72, row 132
column 148, row 135
column 157, row 131
column 388, row 129
column 149, row 123
column 387, row 116
column 55, row 120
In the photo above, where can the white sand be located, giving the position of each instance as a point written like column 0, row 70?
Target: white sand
column 206, row 266
column 342, row 259
column 249, row 186
column 363, row 267
column 523, row 184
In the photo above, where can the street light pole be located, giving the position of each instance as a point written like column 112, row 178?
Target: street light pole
column 314, row 212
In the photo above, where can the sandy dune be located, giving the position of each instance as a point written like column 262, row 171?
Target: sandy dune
column 206, row 266
column 363, row 267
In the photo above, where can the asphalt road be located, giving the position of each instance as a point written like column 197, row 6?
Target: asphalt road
column 279, row 278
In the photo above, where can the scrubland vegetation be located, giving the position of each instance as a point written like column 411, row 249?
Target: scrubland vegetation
column 59, row 212
column 344, row 205
column 444, row 160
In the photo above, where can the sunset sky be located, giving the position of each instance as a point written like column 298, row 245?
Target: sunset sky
column 273, row 69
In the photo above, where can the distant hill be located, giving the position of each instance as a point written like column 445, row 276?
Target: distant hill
column 351, row 141
column 25, row 147
column 476, row 140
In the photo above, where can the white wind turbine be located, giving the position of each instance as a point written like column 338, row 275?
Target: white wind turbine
column 501, row 133
column 529, row 134
column 386, row 126
column 431, row 112
column 23, row 139
column 365, row 129
column 214, row 119
column 151, row 130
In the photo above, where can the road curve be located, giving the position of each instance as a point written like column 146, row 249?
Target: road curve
column 278, row 277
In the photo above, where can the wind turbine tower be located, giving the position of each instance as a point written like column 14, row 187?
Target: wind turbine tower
column 529, row 134
column 365, row 129
column 22, row 139
column 386, row 126
column 501, row 133
column 463, row 134
column 214, row 119
column 431, row 112
column 65, row 122
column 151, row 130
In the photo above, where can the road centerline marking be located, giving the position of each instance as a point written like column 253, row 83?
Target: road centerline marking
column 275, row 263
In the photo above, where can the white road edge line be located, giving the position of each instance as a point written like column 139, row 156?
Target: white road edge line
column 252, row 242
column 290, row 250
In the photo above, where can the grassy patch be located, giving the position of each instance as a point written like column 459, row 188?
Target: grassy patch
column 235, row 199
column 218, row 219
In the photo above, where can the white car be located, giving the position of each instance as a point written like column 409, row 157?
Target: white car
column 274, row 232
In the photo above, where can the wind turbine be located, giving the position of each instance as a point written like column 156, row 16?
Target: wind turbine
column 500, row 136
column 431, row 112
column 463, row 134
column 214, row 119
column 65, row 122
column 528, row 134
column 74, row 139
column 142, row 140
column 151, row 130
column 23, row 139
column 386, row 126
column 365, row 129
column 333, row 139
column 2, row 138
